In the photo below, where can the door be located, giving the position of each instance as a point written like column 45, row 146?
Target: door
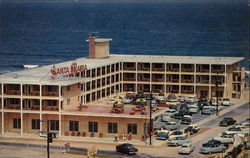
column 203, row 93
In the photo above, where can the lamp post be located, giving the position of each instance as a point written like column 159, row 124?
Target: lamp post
column 217, row 95
column 150, row 119
column 49, row 136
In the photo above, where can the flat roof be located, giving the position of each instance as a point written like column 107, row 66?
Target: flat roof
column 42, row 75
column 101, row 40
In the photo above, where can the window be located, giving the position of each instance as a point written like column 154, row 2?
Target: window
column 36, row 102
column 14, row 87
column 52, row 103
column 112, row 127
column 35, row 123
column 93, row 127
column 54, row 125
column 220, row 93
column 14, row 101
column 68, row 88
column 68, row 101
column 36, row 88
column 16, row 123
column 52, row 89
column 79, row 85
column 132, row 128
column 73, row 126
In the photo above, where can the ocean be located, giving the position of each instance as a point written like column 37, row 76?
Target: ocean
column 50, row 32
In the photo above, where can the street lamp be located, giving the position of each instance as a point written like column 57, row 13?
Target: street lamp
column 217, row 81
column 150, row 118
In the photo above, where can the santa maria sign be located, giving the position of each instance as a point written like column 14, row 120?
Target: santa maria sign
column 73, row 69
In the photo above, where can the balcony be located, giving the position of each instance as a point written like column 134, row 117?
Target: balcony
column 13, row 107
column 129, row 66
column 158, row 67
column 187, row 68
column 218, row 69
column 143, row 66
column 187, row 81
column 203, row 81
column 129, row 79
column 13, row 92
column 157, row 79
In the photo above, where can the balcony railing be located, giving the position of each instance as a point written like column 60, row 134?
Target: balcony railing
column 187, row 70
column 13, row 93
column 187, row 81
column 14, row 107
column 158, row 69
column 53, row 94
column 203, row 81
column 129, row 79
column 52, row 108
column 203, row 70
column 145, row 79
column 174, row 70
column 33, row 107
column 187, row 91
column 217, row 71
column 157, row 80
column 129, row 68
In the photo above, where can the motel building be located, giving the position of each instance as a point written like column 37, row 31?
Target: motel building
column 30, row 97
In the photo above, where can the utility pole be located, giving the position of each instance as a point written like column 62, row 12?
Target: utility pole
column 48, row 135
column 150, row 119
column 217, row 95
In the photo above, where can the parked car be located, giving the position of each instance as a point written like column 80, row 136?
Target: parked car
column 172, row 106
column 162, row 136
column 172, row 97
column 165, row 118
column 212, row 148
column 191, row 99
column 207, row 111
column 225, row 138
column 186, row 148
column 227, row 121
column 225, row 102
column 181, row 98
column 192, row 129
column 162, row 103
column 184, row 107
column 176, row 134
column 160, row 96
column 169, row 112
column 178, row 115
column 237, row 130
column 186, row 119
column 171, row 126
column 178, row 141
column 213, row 101
column 126, row 148
column 149, row 96
column 193, row 110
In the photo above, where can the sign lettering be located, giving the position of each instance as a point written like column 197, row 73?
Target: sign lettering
column 73, row 69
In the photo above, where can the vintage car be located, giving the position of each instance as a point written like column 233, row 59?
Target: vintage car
column 126, row 148
column 176, row 141
column 186, row 148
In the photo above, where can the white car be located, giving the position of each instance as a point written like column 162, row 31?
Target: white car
column 160, row 97
column 165, row 118
column 186, row 148
column 226, row 102
column 191, row 99
column 176, row 134
column 225, row 139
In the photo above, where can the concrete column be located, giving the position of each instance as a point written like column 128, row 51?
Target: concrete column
column 59, row 100
column 41, row 123
column 225, row 94
column 2, row 123
column 209, row 90
column 136, row 76
column 41, row 102
column 2, row 96
column 150, row 76
column 180, row 78
column 60, row 126
column 21, row 123
column 195, row 79
column 21, row 99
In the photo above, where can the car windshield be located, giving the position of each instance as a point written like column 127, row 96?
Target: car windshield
column 234, row 129
column 170, row 123
column 206, row 145
column 185, row 146
column 226, row 99
column 130, row 146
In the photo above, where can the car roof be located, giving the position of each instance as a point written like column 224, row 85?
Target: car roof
column 187, row 144
column 187, row 116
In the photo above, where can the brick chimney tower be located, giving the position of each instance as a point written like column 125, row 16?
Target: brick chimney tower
column 98, row 47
